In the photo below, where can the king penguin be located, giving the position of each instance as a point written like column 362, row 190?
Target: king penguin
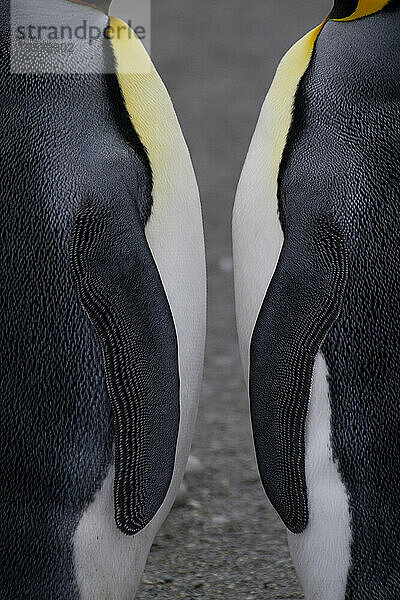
column 316, row 235
column 102, row 304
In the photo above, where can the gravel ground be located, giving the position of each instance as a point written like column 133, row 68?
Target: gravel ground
column 218, row 60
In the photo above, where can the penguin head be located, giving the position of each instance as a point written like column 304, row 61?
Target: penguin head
column 102, row 5
column 348, row 10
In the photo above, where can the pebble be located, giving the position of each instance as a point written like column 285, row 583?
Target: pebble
column 223, row 361
column 219, row 520
column 194, row 465
column 182, row 497
column 225, row 264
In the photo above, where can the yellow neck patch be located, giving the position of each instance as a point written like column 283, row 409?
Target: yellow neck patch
column 365, row 8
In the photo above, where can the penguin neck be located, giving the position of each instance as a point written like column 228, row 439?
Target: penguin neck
column 343, row 8
column 349, row 10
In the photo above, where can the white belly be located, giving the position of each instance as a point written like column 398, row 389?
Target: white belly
column 321, row 554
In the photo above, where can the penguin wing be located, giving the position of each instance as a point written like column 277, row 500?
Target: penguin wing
column 121, row 290
column 281, row 314
column 143, row 285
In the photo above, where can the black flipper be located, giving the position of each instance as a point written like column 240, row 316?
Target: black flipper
column 301, row 304
column 121, row 290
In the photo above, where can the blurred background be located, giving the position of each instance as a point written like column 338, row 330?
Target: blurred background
column 217, row 59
